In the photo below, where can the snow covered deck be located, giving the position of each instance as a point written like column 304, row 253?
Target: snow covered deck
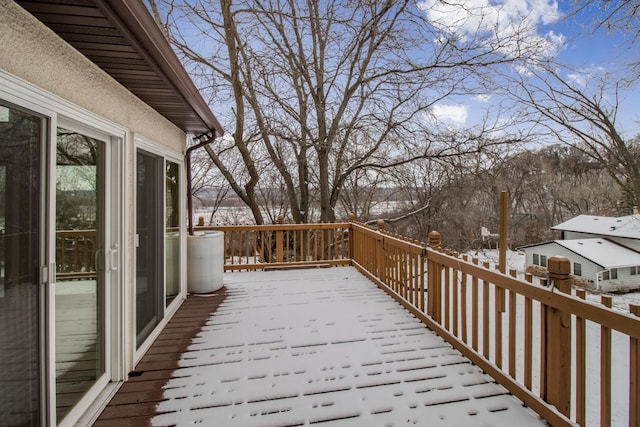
column 303, row 347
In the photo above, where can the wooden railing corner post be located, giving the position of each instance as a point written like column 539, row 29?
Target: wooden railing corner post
column 280, row 241
column 380, row 253
column 557, row 354
column 433, row 278
column 434, row 240
column 634, row 373
column 352, row 220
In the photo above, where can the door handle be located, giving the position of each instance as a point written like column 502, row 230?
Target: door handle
column 113, row 262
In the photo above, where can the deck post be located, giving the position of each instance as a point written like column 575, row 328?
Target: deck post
column 380, row 255
column 634, row 374
column 352, row 254
column 557, row 346
column 280, row 241
column 433, row 278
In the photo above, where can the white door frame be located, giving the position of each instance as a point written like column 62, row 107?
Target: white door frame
column 57, row 110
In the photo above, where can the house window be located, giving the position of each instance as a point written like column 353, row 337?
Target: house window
column 536, row 259
column 633, row 270
column 577, row 269
column 605, row 275
column 543, row 260
column 614, row 273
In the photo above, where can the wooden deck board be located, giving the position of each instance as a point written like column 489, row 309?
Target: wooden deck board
column 303, row 347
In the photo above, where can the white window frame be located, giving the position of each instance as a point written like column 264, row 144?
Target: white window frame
column 150, row 146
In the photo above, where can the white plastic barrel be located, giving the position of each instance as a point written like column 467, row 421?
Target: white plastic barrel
column 205, row 262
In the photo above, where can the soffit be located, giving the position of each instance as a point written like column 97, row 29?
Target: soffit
column 121, row 37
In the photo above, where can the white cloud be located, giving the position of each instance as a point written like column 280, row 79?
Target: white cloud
column 515, row 23
column 454, row 113
column 482, row 97
column 583, row 76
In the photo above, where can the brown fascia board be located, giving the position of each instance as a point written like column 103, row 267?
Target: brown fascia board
column 134, row 19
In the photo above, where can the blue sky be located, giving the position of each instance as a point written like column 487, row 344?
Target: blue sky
column 567, row 37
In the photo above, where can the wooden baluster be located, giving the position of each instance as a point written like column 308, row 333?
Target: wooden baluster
column 380, row 255
column 605, row 369
column 447, row 299
column 634, row 374
column 543, row 340
column 474, row 309
column 422, row 259
column 463, row 302
column 455, row 299
column 528, row 337
column 580, row 364
column 497, row 314
column 512, row 329
column 485, row 315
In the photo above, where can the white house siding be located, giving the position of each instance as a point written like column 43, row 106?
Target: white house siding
column 630, row 243
column 624, row 282
column 572, row 235
column 589, row 269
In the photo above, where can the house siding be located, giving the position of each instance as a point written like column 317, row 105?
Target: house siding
column 625, row 281
column 589, row 269
column 630, row 243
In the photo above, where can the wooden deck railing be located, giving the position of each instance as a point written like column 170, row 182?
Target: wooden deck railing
column 534, row 337
column 75, row 254
column 277, row 245
column 541, row 341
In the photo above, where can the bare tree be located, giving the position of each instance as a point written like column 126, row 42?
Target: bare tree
column 321, row 91
column 580, row 109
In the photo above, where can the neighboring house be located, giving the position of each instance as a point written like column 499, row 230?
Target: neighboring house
column 95, row 111
column 624, row 230
column 604, row 251
column 606, row 265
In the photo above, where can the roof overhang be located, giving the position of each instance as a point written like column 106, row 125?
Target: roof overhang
column 122, row 38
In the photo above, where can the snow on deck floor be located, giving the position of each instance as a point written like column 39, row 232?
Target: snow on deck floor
column 302, row 347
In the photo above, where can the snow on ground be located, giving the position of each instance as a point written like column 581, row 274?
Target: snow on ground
column 307, row 346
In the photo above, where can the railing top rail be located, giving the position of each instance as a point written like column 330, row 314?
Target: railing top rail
column 605, row 316
column 271, row 227
column 398, row 241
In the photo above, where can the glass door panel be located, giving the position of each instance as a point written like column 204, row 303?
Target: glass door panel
column 149, row 251
column 172, row 231
column 21, row 255
column 80, row 281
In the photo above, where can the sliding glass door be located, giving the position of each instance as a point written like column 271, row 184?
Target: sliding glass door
column 158, row 239
column 22, row 257
column 56, row 266
column 80, row 297
column 149, row 251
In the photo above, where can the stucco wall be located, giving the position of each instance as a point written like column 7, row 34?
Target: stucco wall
column 31, row 51
column 35, row 54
